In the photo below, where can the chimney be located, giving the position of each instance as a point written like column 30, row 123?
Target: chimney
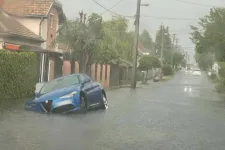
column 1, row 3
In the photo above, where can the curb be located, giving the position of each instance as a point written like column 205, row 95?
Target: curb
column 124, row 86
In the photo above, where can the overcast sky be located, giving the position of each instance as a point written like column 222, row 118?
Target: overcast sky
column 159, row 9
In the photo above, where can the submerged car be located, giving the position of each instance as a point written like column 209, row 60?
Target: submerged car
column 68, row 94
column 197, row 72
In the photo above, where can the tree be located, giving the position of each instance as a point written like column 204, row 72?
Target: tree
column 148, row 62
column 146, row 39
column 205, row 60
column 81, row 39
column 178, row 58
column 167, row 44
column 117, row 41
column 95, row 41
column 209, row 35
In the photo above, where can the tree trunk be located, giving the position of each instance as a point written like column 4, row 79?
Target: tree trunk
column 82, row 68
column 146, row 76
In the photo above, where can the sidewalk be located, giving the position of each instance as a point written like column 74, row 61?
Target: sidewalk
column 139, row 85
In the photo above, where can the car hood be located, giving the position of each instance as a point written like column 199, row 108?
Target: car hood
column 57, row 93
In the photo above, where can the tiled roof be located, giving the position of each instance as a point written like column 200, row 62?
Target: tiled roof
column 27, row 7
column 9, row 26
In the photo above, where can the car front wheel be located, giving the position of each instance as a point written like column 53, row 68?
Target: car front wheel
column 83, row 104
column 105, row 105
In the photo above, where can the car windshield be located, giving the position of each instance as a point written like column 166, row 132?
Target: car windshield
column 59, row 83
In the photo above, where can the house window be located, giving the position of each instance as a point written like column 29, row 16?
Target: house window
column 51, row 20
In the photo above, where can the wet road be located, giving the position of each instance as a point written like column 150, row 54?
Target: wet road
column 181, row 114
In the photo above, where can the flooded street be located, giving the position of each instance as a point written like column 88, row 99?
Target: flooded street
column 183, row 113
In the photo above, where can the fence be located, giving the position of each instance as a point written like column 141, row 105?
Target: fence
column 109, row 75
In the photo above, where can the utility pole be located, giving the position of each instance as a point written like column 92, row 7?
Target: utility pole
column 173, row 50
column 162, row 48
column 162, row 43
column 135, row 48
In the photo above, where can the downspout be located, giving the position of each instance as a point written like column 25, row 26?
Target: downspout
column 42, row 19
column 42, row 55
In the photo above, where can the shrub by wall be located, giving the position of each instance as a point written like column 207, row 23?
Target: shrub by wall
column 222, row 69
column 167, row 70
column 18, row 74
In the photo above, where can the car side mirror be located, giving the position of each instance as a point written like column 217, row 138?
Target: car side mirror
column 36, row 93
column 86, row 81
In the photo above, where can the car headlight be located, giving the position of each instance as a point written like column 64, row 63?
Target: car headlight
column 70, row 95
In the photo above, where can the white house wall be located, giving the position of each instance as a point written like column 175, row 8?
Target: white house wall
column 30, row 23
column 33, row 25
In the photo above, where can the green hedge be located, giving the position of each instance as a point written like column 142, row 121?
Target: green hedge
column 222, row 69
column 167, row 70
column 18, row 74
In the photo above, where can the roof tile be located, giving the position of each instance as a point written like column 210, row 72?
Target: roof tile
column 27, row 7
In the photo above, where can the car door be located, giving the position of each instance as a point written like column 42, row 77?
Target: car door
column 95, row 91
column 87, row 88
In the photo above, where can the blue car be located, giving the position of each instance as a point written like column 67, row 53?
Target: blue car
column 68, row 94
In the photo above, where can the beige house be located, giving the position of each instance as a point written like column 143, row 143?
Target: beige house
column 13, row 34
column 42, row 18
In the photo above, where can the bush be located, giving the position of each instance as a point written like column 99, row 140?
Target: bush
column 222, row 69
column 167, row 70
column 18, row 73
column 220, row 86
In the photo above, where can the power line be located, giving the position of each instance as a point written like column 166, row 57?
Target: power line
column 112, row 7
column 169, row 18
column 110, row 10
column 192, row 3
column 154, row 17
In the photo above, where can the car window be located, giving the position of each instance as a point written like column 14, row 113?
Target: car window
column 59, row 84
column 82, row 78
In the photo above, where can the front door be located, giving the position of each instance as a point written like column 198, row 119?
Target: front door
column 88, row 89
column 97, row 92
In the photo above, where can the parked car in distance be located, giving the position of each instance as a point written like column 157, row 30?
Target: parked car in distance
column 68, row 94
column 197, row 72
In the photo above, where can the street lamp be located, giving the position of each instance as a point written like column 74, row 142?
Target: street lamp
column 135, row 48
